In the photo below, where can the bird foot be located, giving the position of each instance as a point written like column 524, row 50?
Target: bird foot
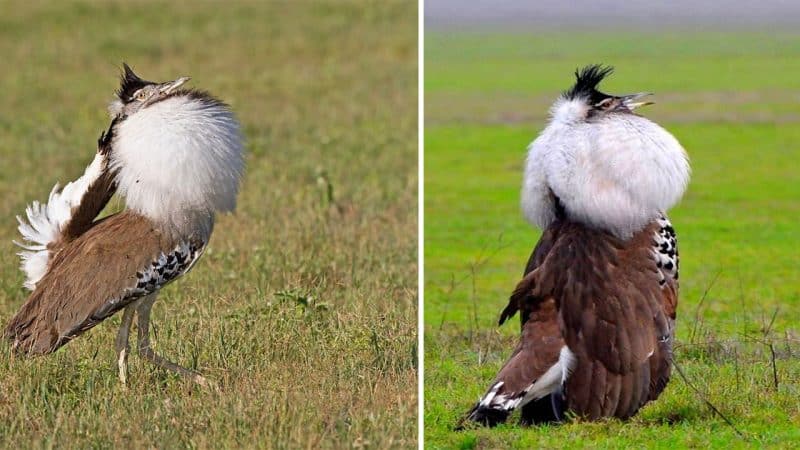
column 122, row 365
column 148, row 354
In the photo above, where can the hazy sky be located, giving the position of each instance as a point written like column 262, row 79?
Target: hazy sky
column 690, row 14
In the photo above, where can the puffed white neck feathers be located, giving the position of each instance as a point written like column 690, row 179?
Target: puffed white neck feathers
column 178, row 159
column 617, row 172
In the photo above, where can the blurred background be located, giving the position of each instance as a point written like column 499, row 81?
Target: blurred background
column 304, row 306
column 724, row 74
column 612, row 14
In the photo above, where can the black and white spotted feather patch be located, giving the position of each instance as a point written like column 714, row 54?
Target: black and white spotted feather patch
column 165, row 268
column 494, row 408
column 665, row 250
column 160, row 272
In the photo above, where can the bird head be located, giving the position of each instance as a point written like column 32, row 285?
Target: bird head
column 597, row 102
column 600, row 163
column 584, row 101
column 134, row 93
column 177, row 152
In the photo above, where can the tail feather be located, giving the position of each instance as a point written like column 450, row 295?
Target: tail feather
column 46, row 222
column 508, row 392
column 547, row 409
column 493, row 408
column 29, row 334
column 489, row 417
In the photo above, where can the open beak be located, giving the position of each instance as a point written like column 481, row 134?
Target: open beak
column 168, row 87
column 632, row 101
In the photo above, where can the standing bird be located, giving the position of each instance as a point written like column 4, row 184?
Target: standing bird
column 176, row 157
column 598, row 298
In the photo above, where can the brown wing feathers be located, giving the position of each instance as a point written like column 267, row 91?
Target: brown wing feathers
column 97, row 195
column 524, row 287
column 537, row 350
column 612, row 310
column 602, row 298
column 90, row 275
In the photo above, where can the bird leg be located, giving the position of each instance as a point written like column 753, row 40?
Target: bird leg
column 143, row 308
column 122, row 344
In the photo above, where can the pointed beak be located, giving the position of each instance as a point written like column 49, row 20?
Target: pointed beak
column 168, row 87
column 632, row 101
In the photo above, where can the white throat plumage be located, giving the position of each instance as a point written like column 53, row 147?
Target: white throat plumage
column 617, row 173
column 179, row 161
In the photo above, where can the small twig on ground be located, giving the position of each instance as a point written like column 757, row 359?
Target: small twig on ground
column 771, row 322
column 741, row 301
column 706, row 401
column 774, row 366
column 474, row 301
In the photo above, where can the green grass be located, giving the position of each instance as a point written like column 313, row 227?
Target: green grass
column 304, row 307
column 731, row 99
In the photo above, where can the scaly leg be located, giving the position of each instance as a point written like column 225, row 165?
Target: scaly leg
column 122, row 344
column 143, row 308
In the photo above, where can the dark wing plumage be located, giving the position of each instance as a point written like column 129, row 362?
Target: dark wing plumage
column 616, row 319
column 96, row 196
column 615, row 311
column 120, row 259
column 537, row 350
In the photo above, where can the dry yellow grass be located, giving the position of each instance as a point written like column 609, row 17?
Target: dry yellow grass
column 304, row 307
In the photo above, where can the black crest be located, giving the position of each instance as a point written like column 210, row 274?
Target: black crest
column 586, row 81
column 129, row 83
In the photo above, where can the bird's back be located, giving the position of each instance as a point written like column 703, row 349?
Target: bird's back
column 118, row 260
column 611, row 304
column 618, row 318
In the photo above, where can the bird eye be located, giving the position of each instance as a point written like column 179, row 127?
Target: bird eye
column 141, row 95
column 605, row 103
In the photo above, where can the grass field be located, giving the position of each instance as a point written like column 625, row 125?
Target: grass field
column 304, row 307
column 732, row 100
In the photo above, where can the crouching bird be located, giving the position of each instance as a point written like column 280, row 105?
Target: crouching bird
column 176, row 157
column 598, row 298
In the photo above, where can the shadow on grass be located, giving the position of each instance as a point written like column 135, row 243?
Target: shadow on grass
column 679, row 415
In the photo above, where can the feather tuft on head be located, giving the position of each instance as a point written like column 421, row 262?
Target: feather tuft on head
column 129, row 83
column 586, row 81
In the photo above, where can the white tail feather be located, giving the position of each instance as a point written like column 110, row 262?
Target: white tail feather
column 550, row 382
column 553, row 379
column 46, row 221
